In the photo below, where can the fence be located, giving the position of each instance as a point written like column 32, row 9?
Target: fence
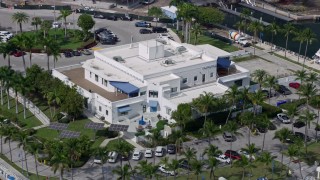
column 49, row 7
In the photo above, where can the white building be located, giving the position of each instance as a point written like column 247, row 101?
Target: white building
column 124, row 82
column 170, row 11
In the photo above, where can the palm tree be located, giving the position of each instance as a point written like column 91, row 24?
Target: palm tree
column 177, row 137
column 20, row 42
column 23, row 139
column 64, row 13
column 211, row 151
column 300, row 37
column 292, row 152
column 197, row 167
column 155, row 138
column 243, row 163
column 255, row 27
column 259, row 76
column 6, row 49
column 17, row 81
column 178, row 4
column 264, row 123
column 187, row 11
column 204, row 102
column 316, row 102
column 34, row 149
column 156, row 12
column 196, row 30
column 2, row 133
column 287, row 30
column 292, row 111
column 9, row 134
column 232, row 127
column 244, row 96
column 165, row 162
column 267, row 159
column 246, row 118
column 209, row 130
column 189, row 155
column 308, row 91
column 48, row 46
column 123, row 148
column 256, row 99
column 19, row 18
column 36, row 22
column 182, row 115
column 73, row 150
column 7, row 77
column 232, row 96
column 251, row 149
column 124, row 172
column 212, row 165
column 245, row 14
column 102, row 153
column 240, row 25
column 273, row 28
column 271, row 83
column 282, row 134
column 55, row 54
column 306, row 117
column 301, row 75
column 45, row 26
column 310, row 36
column 30, row 43
column 312, row 77
column 59, row 162
column 174, row 165
column 147, row 169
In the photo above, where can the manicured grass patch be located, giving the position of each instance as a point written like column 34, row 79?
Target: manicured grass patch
column 313, row 154
column 111, row 145
column 202, row 39
column 65, row 43
column 297, row 103
column 246, row 58
column 30, row 121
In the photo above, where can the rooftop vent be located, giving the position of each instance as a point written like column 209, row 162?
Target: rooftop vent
column 108, row 74
column 168, row 62
column 118, row 59
column 180, row 49
column 161, row 41
column 95, row 67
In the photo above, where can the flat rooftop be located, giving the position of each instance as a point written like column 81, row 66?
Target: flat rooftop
column 194, row 55
column 76, row 76
column 187, row 95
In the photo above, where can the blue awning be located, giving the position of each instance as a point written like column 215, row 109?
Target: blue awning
column 11, row 178
column 125, row 87
column 223, row 63
column 124, row 109
column 153, row 103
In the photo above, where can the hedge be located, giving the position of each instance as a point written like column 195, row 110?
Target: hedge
column 297, row 103
column 270, row 111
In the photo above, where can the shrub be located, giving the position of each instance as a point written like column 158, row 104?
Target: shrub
column 31, row 132
column 65, row 120
column 107, row 133
column 297, row 103
column 141, row 133
column 160, row 124
column 269, row 110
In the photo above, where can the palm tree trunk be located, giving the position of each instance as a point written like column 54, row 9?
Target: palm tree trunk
column 271, row 45
column 305, row 138
column 1, row 144
column 24, row 107
column 300, row 169
column 249, row 136
column 281, row 156
column 305, row 55
column 17, row 111
column 25, row 158
column 243, row 174
column 269, row 95
column 264, row 138
column 35, row 161
column 8, row 98
column 1, row 95
column 24, row 61
column 65, row 28
column 317, row 124
column 10, row 150
column 48, row 65
column 299, row 50
column 229, row 112
column 30, row 58
column 285, row 52
column 61, row 177
column 71, row 169
column 9, row 60
column 20, row 24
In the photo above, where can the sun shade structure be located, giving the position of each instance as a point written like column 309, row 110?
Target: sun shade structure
column 125, row 87
column 223, row 63
column 58, row 126
column 118, row 127
column 124, row 109
column 94, row 126
column 153, row 103
column 69, row 134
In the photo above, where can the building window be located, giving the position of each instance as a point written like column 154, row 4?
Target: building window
column 184, row 80
column 142, row 93
column 100, row 109
column 105, row 83
column 96, row 77
column 124, row 113
column 144, row 108
column 107, row 112
column 238, row 82
column 153, row 94
column 211, row 74
column 195, row 78
column 175, row 89
column 168, row 111
column 102, row 81
column 90, row 74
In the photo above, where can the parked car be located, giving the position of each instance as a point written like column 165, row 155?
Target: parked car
column 299, row 124
column 232, row 154
column 86, row 52
column 294, row 85
column 145, row 31
column 227, row 136
column 159, row 151
column 142, row 24
column 171, row 149
column 223, row 158
column 137, row 154
column 126, row 18
column 99, row 16
column 56, row 25
column 272, row 127
column 97, row 160
column 113, row 156
column 164, row 36
column 159, row 30
column 164, row 170
column 112, row 17
column 76, row 53
column 68, row 54
column 246, row 154
column 184, row 164
column 148, row 153
column 88, row 8
column 302, row 136
column 147, row 2
column 284, row 90
column 283, row 118
column 18, row 53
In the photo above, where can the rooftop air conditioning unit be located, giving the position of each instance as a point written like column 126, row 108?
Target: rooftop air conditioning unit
column 118, row 59
column 180, row 49
column 168, row 62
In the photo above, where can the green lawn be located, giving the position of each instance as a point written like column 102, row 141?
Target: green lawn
column 111, row 144
column 202, row 39
column 235, row 173
column 246, row 58
column 30, row 121
column 69, row 43
column 313, row 153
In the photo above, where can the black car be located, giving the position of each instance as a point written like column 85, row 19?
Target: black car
column 262, row 130
column 126, row 18
column 272, row 127
column 76, row 53
column 171, row 149
column 107, row 40
column 184, row 164
column 145, row 31
column 284, row 90
column 159, row 30
column 99, row 16
column 112, row 17
column 302, row 136
column 68, row 54
column 299, row 124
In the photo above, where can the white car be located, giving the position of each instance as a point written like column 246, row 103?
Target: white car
column 283, row 118
column 164, row 36
column 6, row 34
column 136, row 155
column 148, row 153
column 97, row 160
column 246, row 154
column 88, row 8
column 223, row 158
column 163, row 169
column 56, row 25
column 159, row 151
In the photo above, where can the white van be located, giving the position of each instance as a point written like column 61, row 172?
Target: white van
column 113, row 156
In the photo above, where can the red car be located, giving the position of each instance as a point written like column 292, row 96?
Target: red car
column 18, row 53
column 294, row 85
column 232, row 154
